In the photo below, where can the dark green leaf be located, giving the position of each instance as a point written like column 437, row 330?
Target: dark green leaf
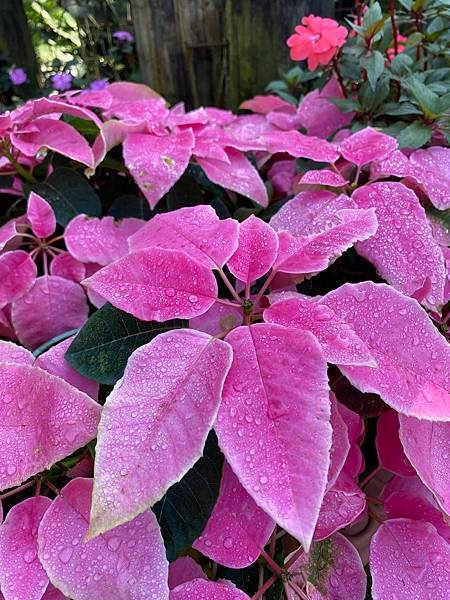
column 83, row 125
column 425, row 98
column 415, row 135
column 130, row 205
column 69, row 194
column 185, row 509
column 374, row 65
column 55, row 340
column 401, row 64
column 102, row 347
column 346, row 104
column 398, row 110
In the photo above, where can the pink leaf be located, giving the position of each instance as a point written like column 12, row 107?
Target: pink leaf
column 207, row 590
column 431, row 169
column 43, row 419
column 239, row 175
column 21, row 573
column 164, row 405
column 340, row 444
column 323, row 177
column 366, row 146
column 67, row 267
column 237, row 529
column 41, row 216
column 396, row 164
column 12, row 353
column 341, row 506
column 101, row 241
column 413, row 374
column 157, row 284
column 315, row 252
column 257, row 250
column 128, row 562
column 310, row 212
column 343, row 577
column 265, row 104
column 409, row 498
column 7, row 233
column 403, row 248
column 17, row 275
column 54, row 135
column 53, row 362
column 432, row 465
column 218, row 319
column 184, row 569
column 275, row 392
column 298, row 145
column 389, row 448
column 52, row 593
column 156, row 162
column 408, row 559
column 340, row 344
column 321, row 117
column 53, row 305
column 197, row 230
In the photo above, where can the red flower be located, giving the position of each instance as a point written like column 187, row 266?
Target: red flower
column 400, row 47
column 317, row 40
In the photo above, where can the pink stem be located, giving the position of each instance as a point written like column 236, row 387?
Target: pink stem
column 272, row 564
column 230, row 287
column 269, row 583
column 264, row 287
column 366, row 480
column 16, row 490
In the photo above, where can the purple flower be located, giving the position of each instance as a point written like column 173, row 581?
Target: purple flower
column 123, row 36
column 62, row 82
column 17, row 76
column 99, row 84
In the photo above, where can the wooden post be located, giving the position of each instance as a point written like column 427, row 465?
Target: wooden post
column 15, row 38
column 216, row 52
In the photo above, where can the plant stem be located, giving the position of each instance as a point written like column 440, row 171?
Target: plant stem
column 17, row 490
column 272, row 564
column 264, row 287
column 394, row 25
column 339, row 76
column 269, row 583
column 20, row 170
column 228, row 303
column 229, row 285
column 370, row 476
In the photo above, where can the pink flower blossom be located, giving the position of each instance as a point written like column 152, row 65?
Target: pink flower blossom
column 400, row 47
column 62, row 82
column 316, row 40
column 18, row 76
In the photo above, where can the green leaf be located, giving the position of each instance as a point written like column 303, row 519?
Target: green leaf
column 373, row 21
column 425, row 98
column 103, row 345
column 186, row 507
column 130, row 205
column 346, row 104
column 370, row 100
column 83, row 125
column 414, row 39
column 69, row 194
column 401, row 64
column 415, row 135
column 374, row 65
column 398, row 110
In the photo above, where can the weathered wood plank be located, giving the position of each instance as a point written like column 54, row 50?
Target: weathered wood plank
column 15, row 38
column 216, row 51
